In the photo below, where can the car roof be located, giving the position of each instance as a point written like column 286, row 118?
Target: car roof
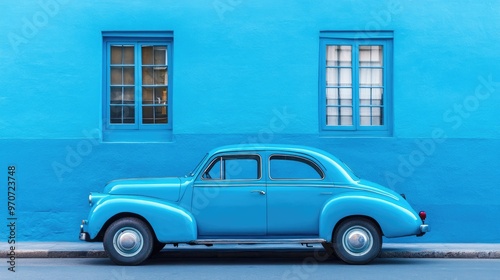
column 267, row 147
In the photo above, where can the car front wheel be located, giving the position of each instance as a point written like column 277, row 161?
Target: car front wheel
column 357, row 241
column 128, row 241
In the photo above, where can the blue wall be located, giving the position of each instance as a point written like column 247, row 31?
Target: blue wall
column 246, row 72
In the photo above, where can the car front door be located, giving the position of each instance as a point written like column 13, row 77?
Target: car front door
column 297, row 191
column 229, row 197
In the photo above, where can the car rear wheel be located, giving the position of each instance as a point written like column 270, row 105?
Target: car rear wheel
column 357, row 241
column 128, row 241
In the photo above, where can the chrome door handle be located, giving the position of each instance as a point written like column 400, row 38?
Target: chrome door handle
column 260, row 192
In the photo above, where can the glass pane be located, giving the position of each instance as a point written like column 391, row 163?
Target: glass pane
column 147, row 75
column 339, row 116
column 370, row 56
column 241, row 169
column 128, row 54
column 286, row 167
column 332, row 96
column 338, row 55
column 116, row 54
column 338, row 77
column 213, row 172
column 161, row 115
column 365, row 96
column 147, row 114
column 128, row 75
column 116, row 75
column 148, row 95
column 121, row 114
column 370, row 77
column 116, row 95
column 128, row 95
column 160, row 75
column 154, row 75
column 147, row 55
column 122, row 54
column 160, row 55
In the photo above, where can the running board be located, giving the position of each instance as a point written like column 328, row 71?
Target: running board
column 257, row 241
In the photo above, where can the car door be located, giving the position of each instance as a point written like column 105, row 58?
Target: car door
column 229, row 197
column 297, row 189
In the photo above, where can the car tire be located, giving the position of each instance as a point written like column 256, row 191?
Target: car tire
column 357, row 241
column 128, row 241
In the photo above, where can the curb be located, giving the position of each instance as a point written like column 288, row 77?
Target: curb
column 82, row 250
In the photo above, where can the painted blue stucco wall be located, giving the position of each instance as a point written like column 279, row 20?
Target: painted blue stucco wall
column 247, row 72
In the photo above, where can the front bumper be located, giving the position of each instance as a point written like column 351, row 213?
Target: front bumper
column 84, row 236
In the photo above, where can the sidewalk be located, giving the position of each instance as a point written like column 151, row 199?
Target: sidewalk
column 389, row 250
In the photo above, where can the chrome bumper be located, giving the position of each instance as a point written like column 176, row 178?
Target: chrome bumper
column 424, row 229
column 83, row 235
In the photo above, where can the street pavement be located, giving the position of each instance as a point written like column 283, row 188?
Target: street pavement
column 389, row 250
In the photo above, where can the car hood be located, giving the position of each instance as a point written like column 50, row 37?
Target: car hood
column 162, row 188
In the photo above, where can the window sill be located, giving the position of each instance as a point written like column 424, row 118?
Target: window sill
column 355, row 134
column 137, row 136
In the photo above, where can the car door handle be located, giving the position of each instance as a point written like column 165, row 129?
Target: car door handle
column 260, row 192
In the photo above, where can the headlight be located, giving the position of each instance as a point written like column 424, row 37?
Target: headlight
column 90, row 199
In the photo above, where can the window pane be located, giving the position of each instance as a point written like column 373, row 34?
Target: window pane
column 147, row 55
column 339, row 116
column 160, row 55
column 370, row 77
column 241, row 169
column 128, row 55
column 154, row 75
column 213, row 171
column 122, row 114
column 339, row 77
column 122, row 54
column 116, row 55
column 338, row 55
column 116, row 76
column 339, row 96
column 290, row 167
column 370, row 56
column 128, row 75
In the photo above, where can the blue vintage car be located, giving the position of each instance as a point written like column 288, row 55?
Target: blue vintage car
column 251, row 194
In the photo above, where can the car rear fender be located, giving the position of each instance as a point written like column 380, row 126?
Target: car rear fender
column 170, row 223
column 394, row 218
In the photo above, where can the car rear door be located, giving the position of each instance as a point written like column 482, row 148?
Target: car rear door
column 297, row 189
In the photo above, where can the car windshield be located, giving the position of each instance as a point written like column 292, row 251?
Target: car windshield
column 197, row 166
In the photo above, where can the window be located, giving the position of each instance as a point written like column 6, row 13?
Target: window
column 234, row 168
column 355, row 82
column 137, row 87
column 292, row 167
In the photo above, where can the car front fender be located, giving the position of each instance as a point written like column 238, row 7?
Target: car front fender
column 170, row 223
column 396, row 218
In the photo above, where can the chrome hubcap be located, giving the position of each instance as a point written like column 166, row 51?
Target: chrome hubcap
column 357, row 241
column 128, row 242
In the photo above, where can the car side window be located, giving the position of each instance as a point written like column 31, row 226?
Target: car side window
column 241, row 167
column 293, row 167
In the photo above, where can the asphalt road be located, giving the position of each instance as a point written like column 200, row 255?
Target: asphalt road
column 254, row 268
